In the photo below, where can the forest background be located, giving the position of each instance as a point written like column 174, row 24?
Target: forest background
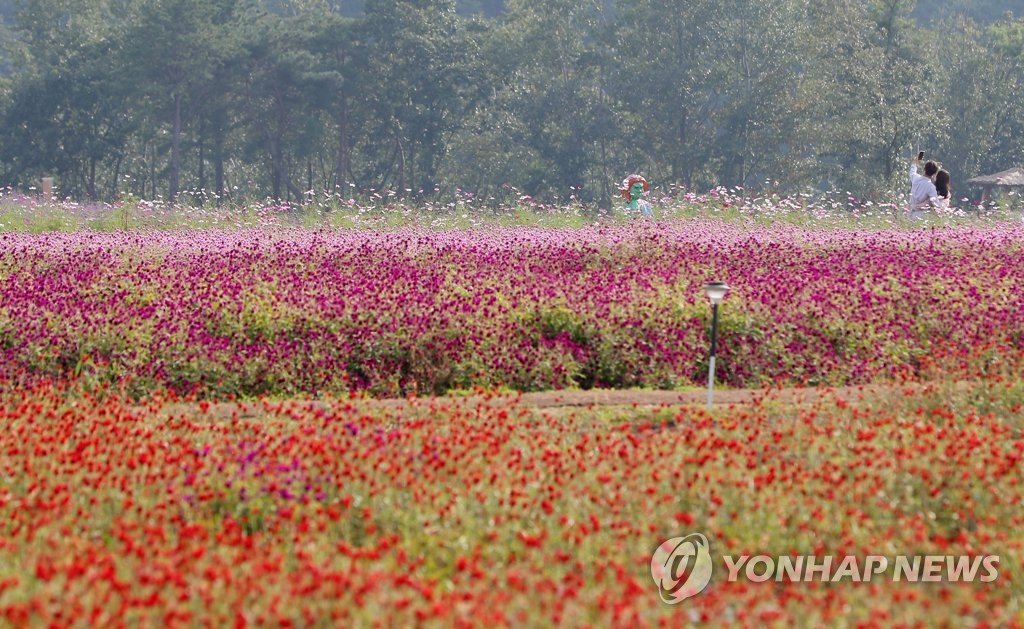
column 249, row 99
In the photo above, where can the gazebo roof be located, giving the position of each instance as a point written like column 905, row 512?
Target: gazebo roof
column 1012, row 177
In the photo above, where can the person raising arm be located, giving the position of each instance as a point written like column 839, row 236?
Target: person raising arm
column 922, row 187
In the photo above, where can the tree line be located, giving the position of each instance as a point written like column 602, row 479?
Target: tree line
column 252, row 99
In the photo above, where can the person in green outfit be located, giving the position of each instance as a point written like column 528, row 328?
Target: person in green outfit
column 633, row 189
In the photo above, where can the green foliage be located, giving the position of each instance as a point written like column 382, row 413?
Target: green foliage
column 929, row 12
column 248, row 99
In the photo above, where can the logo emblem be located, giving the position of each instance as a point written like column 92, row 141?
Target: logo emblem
column 681, row 567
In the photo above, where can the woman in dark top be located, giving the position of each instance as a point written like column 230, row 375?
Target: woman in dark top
column 942, row 189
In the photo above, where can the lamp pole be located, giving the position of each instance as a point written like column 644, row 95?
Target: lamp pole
column 716, row 292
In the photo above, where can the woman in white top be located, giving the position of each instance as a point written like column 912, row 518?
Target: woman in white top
column 922, row 188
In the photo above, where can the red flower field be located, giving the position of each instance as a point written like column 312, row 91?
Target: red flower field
column 480, row 510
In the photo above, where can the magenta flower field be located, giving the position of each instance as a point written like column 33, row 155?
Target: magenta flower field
column 300, row 312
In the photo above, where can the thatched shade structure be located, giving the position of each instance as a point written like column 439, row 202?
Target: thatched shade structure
column 1008, row 179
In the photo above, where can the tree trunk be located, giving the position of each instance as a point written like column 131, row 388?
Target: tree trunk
column 276, row 169
column 116, row 175
column 341, row 175
column 401, row 166
column 201, row 174
column 92, row 179
column 172, row 186
column 218, row 169
column 152, row 172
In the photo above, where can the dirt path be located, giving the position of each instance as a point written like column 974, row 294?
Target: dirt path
column 721, row 397
column 593, row 398
column 724, row 397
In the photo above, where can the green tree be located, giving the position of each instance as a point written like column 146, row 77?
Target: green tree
column 174, row 49
column 339, row 71
column 549, row 111
column 67, row 110
column 757, row 72
column 868, row 97
column 1006, row 40
column 662, row 88
column 419, row 93
column 973, row 98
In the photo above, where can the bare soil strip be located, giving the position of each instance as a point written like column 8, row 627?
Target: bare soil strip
column 726, row 397
column 596, row 398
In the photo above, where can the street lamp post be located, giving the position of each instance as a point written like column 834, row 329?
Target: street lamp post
column 716, row 293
